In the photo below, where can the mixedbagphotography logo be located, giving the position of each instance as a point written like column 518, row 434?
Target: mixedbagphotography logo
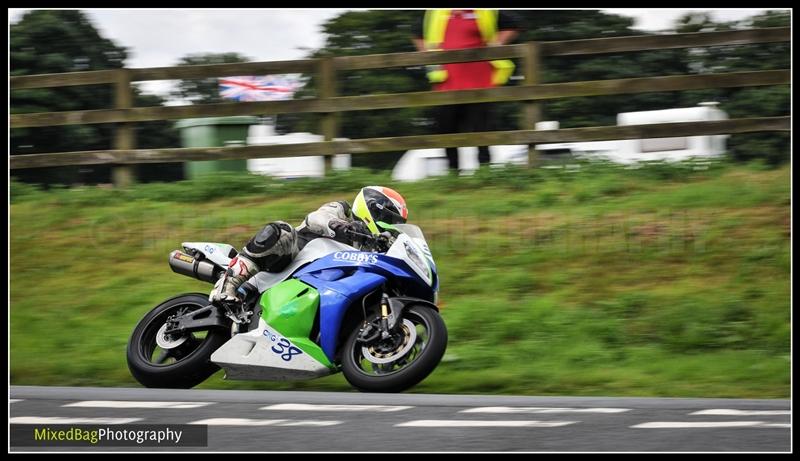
column 127, row 435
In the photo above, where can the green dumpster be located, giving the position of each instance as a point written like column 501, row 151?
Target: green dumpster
column 214, row 132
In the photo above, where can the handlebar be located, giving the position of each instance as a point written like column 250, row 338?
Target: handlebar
column 377, row 241
column 359, row 234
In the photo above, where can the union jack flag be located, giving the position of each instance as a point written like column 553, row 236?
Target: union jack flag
column 258, row 88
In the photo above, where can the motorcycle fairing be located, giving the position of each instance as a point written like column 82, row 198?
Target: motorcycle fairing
column 265, row 354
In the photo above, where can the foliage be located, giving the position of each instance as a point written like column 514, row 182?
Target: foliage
column 55, row 41
column 745, row 102
column 375, row 32
column 74, row 44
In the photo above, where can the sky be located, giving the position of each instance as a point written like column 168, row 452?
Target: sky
column 157, row 38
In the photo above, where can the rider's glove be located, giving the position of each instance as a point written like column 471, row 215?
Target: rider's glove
column 385, row 240
column 344, row 230
column 359, row 227
column 339, row 228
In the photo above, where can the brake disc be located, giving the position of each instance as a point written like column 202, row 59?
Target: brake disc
column 166, row 343
column 409, row 332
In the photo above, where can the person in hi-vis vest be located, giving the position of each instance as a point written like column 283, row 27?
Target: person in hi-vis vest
column 458, row 29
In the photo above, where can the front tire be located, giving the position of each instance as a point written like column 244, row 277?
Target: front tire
column 181, row 363
column 372, row 368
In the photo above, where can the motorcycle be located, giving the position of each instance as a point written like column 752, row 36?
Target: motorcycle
column 370, row 313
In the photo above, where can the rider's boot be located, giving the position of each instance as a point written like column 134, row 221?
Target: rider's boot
column 240, row 269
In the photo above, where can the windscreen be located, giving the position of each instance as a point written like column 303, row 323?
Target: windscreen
column 411, row 230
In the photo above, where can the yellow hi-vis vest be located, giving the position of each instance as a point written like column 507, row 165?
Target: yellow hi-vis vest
column 434, row 27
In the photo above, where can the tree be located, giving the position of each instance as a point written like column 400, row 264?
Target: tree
column 54, row 41
column 369, row 32
column 588, row 24
column 770, row 101
column 374, row 32
column 206, row 90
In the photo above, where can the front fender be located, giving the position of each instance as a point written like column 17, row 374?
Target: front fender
column 400, row 303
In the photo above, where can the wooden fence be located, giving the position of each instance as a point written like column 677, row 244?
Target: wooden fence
column 531, row 92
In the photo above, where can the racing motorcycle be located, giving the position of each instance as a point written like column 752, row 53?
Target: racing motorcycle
column 369, row 313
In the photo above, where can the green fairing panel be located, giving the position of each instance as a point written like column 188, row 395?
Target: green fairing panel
column 290, row 307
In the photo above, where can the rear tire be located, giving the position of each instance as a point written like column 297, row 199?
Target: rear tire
column 192, row 357
column 427, row 353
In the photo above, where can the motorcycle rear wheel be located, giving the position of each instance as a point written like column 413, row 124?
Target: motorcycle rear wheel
column 177, row 363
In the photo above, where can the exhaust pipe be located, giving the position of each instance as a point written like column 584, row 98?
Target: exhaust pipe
column 184, row 264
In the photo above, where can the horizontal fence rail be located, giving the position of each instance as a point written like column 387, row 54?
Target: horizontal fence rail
column 664, row 42
column 401, row 100
column 362, row 146
column 531, row 92
column 373, row 61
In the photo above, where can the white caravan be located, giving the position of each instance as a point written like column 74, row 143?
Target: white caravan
column 289, row 167
column 420, row 163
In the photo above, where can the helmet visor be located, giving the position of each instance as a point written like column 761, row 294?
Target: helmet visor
column 386, row 213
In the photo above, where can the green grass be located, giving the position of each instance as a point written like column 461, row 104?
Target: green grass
column 664, row 280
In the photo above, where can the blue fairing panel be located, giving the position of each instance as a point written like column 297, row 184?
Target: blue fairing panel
column 372, row 262
column 344, row 277
column 334, row 300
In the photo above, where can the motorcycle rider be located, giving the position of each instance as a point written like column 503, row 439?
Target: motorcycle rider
column 274, row 247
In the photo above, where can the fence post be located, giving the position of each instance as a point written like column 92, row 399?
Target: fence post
column 327, row 89
column 123, row 175
column 531, row 111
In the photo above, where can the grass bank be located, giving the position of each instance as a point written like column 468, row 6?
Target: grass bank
column 665, row 280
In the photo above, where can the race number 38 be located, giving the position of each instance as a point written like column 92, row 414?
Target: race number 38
column 283, row 347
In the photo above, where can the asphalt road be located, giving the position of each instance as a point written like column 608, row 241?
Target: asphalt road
column 269, row 421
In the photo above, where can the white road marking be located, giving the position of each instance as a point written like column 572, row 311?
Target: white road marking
column 66, row 420
column 262, row 422
column 776, row 425
column 136, row 404
column 543, row 410
column 238, row 422
column 729, row 412
column 15, row 400
column 311, row 423
column 471, row 423
column 707, row 424
column 308, row 407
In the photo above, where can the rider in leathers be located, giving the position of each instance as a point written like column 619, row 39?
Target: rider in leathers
column 276, row 245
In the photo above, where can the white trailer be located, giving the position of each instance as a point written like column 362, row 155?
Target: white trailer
column 420, row 163
column 289, row 167
column 670, row 149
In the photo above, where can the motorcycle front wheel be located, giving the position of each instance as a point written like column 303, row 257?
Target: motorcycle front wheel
column 401, row 361
column 159, row 360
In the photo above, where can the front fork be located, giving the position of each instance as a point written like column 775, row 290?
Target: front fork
column 385, row 316
column 382, row 328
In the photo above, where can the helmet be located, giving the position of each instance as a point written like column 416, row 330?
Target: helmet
column 375, row 203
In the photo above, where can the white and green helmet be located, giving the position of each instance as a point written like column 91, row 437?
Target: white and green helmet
column 379, row 204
